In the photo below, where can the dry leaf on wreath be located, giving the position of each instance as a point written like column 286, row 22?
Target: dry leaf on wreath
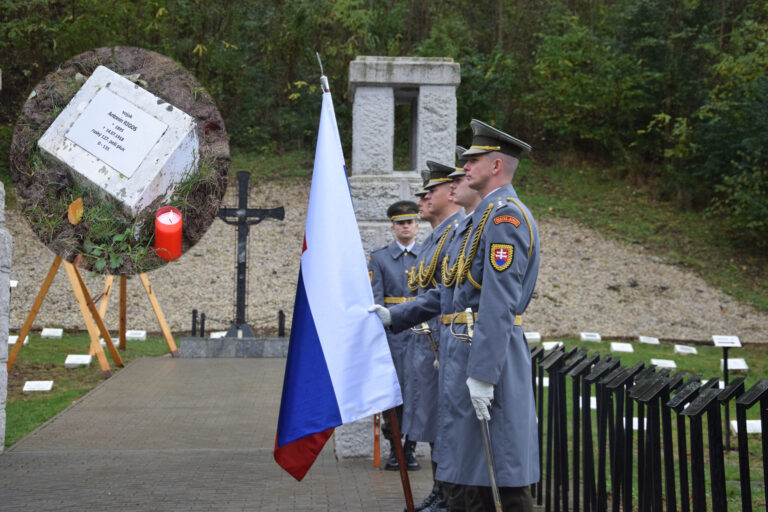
column 75, row 211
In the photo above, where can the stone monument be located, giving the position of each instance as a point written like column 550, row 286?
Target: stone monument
column 376, row 85
column 5, row 306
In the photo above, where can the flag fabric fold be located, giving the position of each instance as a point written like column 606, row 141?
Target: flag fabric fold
column 339, row 367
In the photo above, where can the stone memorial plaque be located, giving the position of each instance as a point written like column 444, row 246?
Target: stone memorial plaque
column 549, row 345
column 50, row 332
column 14, row 283
column 753, row 427
column 649, row 340
column 37, row 385
column 590, row 336
column 218, row 334
column 685, row 350
column 123, row 140
column 664, row 363
column 135, row 335
column 726, row 341
column 735, row 364
column 621, row 347
column 592, row 403
column 533, row 337
column 116, row 131
column 77, row 360
column 545, row 381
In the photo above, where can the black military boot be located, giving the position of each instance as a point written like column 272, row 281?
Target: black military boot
column 410, row 457
column 392, row 464
column 429, row 500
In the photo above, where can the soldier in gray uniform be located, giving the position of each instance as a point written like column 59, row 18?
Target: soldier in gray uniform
column 387, row 268
column 420, row 410
column 495, row 277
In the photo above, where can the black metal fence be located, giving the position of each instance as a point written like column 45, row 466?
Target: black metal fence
column 599, row 465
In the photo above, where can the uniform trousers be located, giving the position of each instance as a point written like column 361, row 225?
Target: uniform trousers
column 475, row 498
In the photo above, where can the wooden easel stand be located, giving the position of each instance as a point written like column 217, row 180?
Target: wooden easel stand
column 94, row 318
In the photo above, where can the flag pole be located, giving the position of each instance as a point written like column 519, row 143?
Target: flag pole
column 392, row 415
column 401, row 464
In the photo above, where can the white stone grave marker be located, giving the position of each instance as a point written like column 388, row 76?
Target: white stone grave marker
column 592, row 403
column 621, row 347
column 123, row 140
column 726, row 341
column 649, row 340
column 735, row 364
column 50, row 332
column 590, row 336
column 12, row 340
column 135, row 335
column 550, row 345
column 218, row 334
column 77, row 360
column 664, row 363
column 14, row 283
column 685, row 350
column 37, row 385
column 533, row 337
column 753, row 427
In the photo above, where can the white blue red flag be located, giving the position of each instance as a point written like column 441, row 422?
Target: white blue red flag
column 339, row 367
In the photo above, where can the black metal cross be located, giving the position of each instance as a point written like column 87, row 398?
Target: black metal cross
column 243, row 217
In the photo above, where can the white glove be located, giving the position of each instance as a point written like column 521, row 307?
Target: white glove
column 481, row 393
column 384, row 315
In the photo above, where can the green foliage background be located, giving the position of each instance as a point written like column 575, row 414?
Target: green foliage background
column 670, row 94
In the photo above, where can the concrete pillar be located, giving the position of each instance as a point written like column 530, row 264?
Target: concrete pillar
column 436, row 124
column 373, row 130
column 5, row 305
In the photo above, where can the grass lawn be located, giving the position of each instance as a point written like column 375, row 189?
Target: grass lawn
column 43, row 359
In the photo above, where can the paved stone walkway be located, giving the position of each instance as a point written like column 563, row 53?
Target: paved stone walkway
column 185, row 434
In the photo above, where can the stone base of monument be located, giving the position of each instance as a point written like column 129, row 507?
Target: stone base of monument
column 233, row 347
column 355, row 440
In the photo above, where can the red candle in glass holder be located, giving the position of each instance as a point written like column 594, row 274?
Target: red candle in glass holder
column 168, row 233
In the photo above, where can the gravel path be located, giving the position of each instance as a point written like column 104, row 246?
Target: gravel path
column 586, row 282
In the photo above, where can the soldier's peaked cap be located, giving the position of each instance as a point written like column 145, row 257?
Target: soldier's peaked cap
column 486, row 139
column 461, row 160
column 403, row 210
column 438, row 173
column 425, row 179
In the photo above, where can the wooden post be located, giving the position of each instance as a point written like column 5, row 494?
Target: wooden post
column 123, row 300
column 159, row 315
column 105, row 295
column 377, row 440
column 93, row 331
column 33, row 311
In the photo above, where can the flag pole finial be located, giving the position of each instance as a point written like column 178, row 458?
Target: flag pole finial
column 323, row 78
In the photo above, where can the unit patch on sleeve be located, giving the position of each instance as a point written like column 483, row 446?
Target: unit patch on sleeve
column 506, row 218
column 502, row 255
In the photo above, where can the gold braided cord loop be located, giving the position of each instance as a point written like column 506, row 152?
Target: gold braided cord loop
column 487, row 148
column 464, row 271
column 412, row 284
column 449, row 274
column 427, row 277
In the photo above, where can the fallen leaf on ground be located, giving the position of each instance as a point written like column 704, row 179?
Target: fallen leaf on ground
column 75, row 211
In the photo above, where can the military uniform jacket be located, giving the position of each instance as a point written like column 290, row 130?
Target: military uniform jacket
column 498, row 284
column 421, row 395
column 387, row 267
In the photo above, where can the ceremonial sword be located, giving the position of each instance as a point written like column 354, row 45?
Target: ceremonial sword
column 486, row 431
column 424, row 329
